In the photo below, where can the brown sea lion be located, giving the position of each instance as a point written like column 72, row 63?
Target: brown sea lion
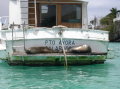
column 80, row 49
column 37, row 50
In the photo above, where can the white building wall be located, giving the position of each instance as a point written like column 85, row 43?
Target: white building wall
column 84, row 15
column 18, row 11
column 14, row 12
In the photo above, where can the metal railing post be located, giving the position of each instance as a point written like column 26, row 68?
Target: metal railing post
column 24, row 34
column 35, row 5
column 12, row 36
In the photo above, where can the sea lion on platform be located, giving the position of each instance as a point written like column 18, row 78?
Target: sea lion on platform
column 80, row 49
column 37, row 50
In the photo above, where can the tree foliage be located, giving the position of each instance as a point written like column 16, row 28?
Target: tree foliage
column 107, row 23
column 108, row 19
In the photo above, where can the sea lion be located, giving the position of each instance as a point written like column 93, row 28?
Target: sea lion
column 80, row 49
column 37, row 50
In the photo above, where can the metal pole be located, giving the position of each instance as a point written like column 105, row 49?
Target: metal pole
column 35, row 12
column 24, row 34
column 12, row 35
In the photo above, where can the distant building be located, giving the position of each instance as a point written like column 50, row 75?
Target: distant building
column 95, row 23
column 117, row 16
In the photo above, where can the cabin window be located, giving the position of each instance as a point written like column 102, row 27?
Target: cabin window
column 52, row 14
column 47, row 15
column 71, row 13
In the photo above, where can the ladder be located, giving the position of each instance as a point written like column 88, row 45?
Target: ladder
column 29, row 12
column 14, row 38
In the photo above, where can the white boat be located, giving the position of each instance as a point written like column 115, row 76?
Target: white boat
column 51, row 33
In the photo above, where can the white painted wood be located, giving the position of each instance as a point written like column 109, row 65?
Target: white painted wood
column 24, row 3
column 24, row 16
column 24, row 11
column 96, row 46
column 3, row 54
column 14, row 12
column 36, row 37
column 75, row 33
column 84, row 15
column 18, row 11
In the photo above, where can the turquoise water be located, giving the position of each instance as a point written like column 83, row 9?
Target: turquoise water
column 100, row 76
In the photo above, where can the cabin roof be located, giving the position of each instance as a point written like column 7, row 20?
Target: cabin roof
column 59, row 0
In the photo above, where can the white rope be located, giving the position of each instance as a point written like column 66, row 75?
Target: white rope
column 66, row 63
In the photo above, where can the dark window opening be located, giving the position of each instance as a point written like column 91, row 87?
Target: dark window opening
column 48, row 15
column 71, row 13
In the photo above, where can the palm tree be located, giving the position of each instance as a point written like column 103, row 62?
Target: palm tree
column 113, row 12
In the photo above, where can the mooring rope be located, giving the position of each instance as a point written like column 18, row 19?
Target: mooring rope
column 61, row 39
column 66, row 63
column 60, row 33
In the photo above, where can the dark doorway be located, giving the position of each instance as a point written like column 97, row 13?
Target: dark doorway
column 47, row 15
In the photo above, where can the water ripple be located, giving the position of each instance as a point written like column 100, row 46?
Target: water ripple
column 103, row 76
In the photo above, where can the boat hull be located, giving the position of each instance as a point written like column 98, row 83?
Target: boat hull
column 55, row 59
column 17, row 44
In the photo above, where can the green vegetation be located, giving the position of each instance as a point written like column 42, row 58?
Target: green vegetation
column 107, row 22
column 108, row 19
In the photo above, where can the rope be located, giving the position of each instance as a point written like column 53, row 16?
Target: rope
column 66, row 63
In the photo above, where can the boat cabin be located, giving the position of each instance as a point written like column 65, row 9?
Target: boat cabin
column 49, row 13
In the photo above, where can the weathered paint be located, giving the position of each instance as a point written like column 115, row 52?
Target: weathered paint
column 3, row 52
column 55, row 44
column 3, row 55
column 55, row 60
column 37, row 37
column 44, row 33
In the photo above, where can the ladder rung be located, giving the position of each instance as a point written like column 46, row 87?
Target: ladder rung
column 31, row 7
column 18, row 37
column 18, row 46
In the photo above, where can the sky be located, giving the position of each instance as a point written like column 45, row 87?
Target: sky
column 96, row 8
column 100, row 8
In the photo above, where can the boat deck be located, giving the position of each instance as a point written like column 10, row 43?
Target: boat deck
column 57, row 54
